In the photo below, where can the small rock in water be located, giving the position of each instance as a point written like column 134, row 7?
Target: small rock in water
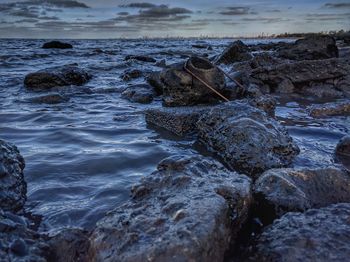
column 330, row 109
column 236, row 52
column 57, row 44
column 343, row 147
column 140, row 58
column 131, row 74
column 141, row 93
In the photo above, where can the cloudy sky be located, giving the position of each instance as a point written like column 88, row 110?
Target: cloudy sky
column 115, row 19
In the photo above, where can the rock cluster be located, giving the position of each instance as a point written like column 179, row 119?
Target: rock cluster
column 57, row 45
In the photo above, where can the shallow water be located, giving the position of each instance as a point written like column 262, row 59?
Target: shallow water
column 82, row 156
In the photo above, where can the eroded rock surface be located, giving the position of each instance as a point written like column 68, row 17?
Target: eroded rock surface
column 330, row 109
column 189, row 210
column 343, row 147
column 141, row 93
column 236, row 52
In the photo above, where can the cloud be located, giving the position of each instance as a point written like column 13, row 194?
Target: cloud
column 138, row 5
column 236, row 10
column 337, row 5
column 327, row 17
column 57, row 3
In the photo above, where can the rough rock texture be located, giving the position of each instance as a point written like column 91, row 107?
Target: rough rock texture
column 188, row 210
column 140, row 58
column 330, row 109
column 178, row 120
column 311, row 48
column 13, row 188
column 57, row 44
column 316, row 235
column 49, row 99
column 287, row 189
column 131, row 74
column 343, row 147
column 236, row 52
column 246, row 138
column 266, row 103
column 141, row 93
column 56, row 76
column 18, row 242
column 181, row 89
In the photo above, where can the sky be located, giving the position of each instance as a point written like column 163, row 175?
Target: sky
column 182, row 18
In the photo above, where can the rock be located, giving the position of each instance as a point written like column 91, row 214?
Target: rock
column 57, row 44
column 141, row 93
column 285, row 87
column 266, row 103
column 330, row 109
column 246, row 139
column 55, row 77
column 181, row 89
column 131, row 74
column 189, row 210
column 316, row 235
column 154, row 80
column 178, row 120
column 236, row 52
column 18, row 242
column 343, row 147
column 269, row 46
column 49, row 99
column 264, row 59
column 161, row 63
column 13, row 188
column 140, row 58
column 284, row 190
column 311, row 48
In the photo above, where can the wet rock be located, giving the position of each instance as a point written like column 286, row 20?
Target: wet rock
column 141, row 93
column 57, row 44
column 55, row 77
column 189, row 210
column 284, row 190
column 161, row 63
column 330, row 109
column 343, row 147
column 178, row 120
column 311, row 48
column 181, row 89
column 140, row 58
column 264, row 59
column 131, row 74
column 154, row 80
column 270, row 46
column 266, row 103
column 49, row 99
column 18, row 242
column 236, row 52
column 285, row 87
column 246, row 138
column 13, row 188
column 316, row 235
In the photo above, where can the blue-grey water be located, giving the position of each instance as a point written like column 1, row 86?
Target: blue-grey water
column 82, row 156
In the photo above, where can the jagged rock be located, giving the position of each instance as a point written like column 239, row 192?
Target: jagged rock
column 154, row 80
column 131, row 74
column 246, row 138
column 18, row 242
column 266, row 103
column 284, row 190
column 311, row 48
column 316, row 235
column 140, row 58
column 330, row 109
column 189, row 210
column 57, row 44
column 13, row 187
column 49, row 99
column 181, row 89
column 141, row 93
column 269, row 46
column 343, row 147
column 55, row 77
column 236, row 52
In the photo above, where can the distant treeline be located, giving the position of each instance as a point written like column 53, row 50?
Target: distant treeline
column 341, row 34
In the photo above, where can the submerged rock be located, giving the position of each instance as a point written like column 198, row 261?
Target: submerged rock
column 141, row 93
column 236, row 52
column 189, row 210
column 316, row 235
column 343, row 147
column 131, row 74
column 55, row 77
column 13, row 187
column 330, row 109
column 285, row 190
column 49, row 99
column 57, row 44
column 140, row 58
column 246, row 138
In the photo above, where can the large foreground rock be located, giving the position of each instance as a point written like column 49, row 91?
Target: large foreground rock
column 246, row 138
column 13, row 188
column 236, row 52
column 317, row 235
column 284, row 190
column 189, row 210
column 55, row 77
column 57, row 45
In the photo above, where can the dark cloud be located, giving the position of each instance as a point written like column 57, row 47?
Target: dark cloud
column 266, row 20
column 57, row 3
column 236, row 10
column 139, row 5
column 337, row 5
column 123, row 13
column 327, row 17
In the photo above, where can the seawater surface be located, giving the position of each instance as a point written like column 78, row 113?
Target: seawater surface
column 82, row 156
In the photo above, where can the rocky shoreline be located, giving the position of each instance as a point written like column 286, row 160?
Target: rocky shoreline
column 247, row 202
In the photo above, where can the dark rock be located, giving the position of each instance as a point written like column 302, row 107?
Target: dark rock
column 161, row 63
column 131, row 74
column 57, row 44
column 140, row 58
column 330, row 109
column 189, row 210
column 266, row 103
column 236, row 52
column 55, row 77
column 311, row 48
column 264, row 59
column 287, row 189
column 343, row 147
column 270, row 46
column 246, row 138
column 49, row 99
column 154, row 80
column 13, row 188
column 141, row 93
column 182, row 89
column 200, row 46
column 316, row 235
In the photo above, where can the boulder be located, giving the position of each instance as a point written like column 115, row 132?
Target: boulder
column 57, row 44
column 284, row 190
column 343, row 147
column 246, row 138
column 317, row 235
column 190, row 209
column 56, row 77
column 140, row 58
column 142, row 93
column 13, row 187
column 236, row 52
column 131, row 74
column 330, row 109
column 182, row 89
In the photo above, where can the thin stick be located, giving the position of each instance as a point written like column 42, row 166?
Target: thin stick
column 231, row 78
